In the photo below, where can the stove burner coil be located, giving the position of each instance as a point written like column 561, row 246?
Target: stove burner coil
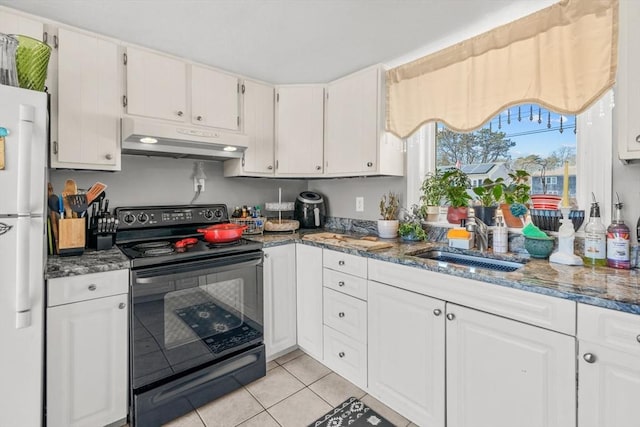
column 142, row 247
column 158, row 251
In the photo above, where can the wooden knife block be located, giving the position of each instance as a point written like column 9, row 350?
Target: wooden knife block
column 71, row 236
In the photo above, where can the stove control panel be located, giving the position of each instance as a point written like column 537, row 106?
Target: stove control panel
column 168, row 216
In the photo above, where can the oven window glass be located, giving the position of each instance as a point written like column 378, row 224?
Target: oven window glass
column 183, row 320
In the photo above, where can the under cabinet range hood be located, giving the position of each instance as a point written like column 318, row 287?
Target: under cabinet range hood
column 153, row 138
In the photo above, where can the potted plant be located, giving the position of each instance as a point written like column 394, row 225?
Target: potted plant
column 456, row 195
column 410, row 228
column 517, row 191
column 433, row 191
column 489, row 195
column 388, row 225
column 542, row 200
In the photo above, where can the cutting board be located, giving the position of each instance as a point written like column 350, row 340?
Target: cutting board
column 347, row 242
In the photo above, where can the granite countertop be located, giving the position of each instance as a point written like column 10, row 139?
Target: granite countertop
column 601, row 286
column 91, row 261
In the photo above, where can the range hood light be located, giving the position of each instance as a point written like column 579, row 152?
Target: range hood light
column 148, row 140
column 230, row 148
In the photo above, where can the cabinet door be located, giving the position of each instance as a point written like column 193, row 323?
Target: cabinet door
column 156, row 85
column 352, row 124
column 279, row 298
column 214, row 98
column 608, row 387
column 87, row 362
column 17, row 24
column 300, row 130
column 406, row 353
column 88, row 103
column 309, row 299
column 259, row 127
column 502, row 373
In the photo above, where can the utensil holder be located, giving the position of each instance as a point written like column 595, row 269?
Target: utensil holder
column 71, row 236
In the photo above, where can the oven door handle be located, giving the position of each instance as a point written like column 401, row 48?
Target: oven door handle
column 155, row 275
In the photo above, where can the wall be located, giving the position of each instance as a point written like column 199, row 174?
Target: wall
column 165, row 181
column 340, row 194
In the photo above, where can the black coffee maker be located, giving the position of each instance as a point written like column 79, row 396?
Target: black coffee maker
column 310, row 210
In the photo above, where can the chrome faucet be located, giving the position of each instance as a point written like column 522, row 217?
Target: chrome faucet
column 480, row 231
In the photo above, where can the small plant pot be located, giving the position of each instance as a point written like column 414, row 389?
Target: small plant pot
column 545, row 201
column 486, row 214
column 539, row 247
column 509, row 219
column 433, row 212
column 455, row 215
column 388, row 229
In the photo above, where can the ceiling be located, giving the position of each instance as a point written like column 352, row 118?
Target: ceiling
column 286, row 41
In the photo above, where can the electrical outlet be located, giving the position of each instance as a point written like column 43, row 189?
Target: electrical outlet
column 359, row 204
column 197, row 182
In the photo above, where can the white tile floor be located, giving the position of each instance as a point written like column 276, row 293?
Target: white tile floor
column 296, row 391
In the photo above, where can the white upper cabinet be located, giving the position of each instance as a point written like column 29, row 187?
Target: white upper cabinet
column 628, row 85
column 355, row 141
column 258, row 115
column 88, row 104
column 299, row 130
column 215, row 99
column 11, row 23
column 156, row 85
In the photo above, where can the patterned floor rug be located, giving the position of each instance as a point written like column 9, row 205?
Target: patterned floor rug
column 351, row 413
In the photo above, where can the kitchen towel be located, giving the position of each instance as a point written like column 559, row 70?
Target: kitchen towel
column 353, row 413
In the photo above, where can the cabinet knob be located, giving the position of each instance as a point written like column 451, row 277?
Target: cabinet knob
column 318, row 168
column 180, row 113
column 266, row 255
column 341, row 354
column 369, row 164
column 92, row 287
column 341, row 283
column 199, row 118
column 451, row 316
column 340, row 262
column 122, row 305
column 341, row 314
column 638, row 138
column 638, row 338
column 270, row 167
column 589, row 358
column 437, row 312
column 108, row 156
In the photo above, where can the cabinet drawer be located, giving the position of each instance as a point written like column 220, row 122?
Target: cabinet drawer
column 345, row 263
column 345, row 356
column 345, row 283
column 614, row 329
column 346, row 314
column 65, row 290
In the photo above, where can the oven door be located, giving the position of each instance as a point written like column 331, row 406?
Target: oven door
column 190, row 315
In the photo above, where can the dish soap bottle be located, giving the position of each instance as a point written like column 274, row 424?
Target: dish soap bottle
column 500, row 235
column 595, row 241
column 618, row 240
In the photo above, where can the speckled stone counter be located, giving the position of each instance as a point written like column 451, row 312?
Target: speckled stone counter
column 600, row 286
column 89, row 262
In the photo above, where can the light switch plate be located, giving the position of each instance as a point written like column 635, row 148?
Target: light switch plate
column 359, row 204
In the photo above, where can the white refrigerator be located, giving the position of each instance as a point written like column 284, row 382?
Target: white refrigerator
column 23, row 114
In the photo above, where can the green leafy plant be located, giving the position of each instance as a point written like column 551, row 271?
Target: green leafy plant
column 433, row 188
column 457, row 183
column 410, row 226
column 517, row 191
column 490, row 192
column 389, row 206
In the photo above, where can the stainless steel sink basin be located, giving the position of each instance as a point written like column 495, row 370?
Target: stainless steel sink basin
column 471, row 261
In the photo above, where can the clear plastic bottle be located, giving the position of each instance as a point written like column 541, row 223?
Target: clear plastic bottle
column 595, row 241
column 618, row 241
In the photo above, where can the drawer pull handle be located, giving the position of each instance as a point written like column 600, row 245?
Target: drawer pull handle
column 340, row 262
column 341, row 354
column 92, row 287
column 341, row 314
column 341, row 283
column 437, row 312
column 451, row 316
column 122, row 305
column 589, row 358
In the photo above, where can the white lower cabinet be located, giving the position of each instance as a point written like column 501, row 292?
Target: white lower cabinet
column 87, row 353
column 309, row 299
column 279, row 298
column 503, row 373
column 406, row 353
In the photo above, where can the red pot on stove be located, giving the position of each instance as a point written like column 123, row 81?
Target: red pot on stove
column 222, row 233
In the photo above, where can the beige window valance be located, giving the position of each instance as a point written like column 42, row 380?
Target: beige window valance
column 563, row 57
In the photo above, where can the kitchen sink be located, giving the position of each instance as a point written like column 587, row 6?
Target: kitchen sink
column 473, row 261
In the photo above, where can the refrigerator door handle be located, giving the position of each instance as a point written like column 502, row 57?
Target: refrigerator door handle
column 23, row 279
column 25, row 141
